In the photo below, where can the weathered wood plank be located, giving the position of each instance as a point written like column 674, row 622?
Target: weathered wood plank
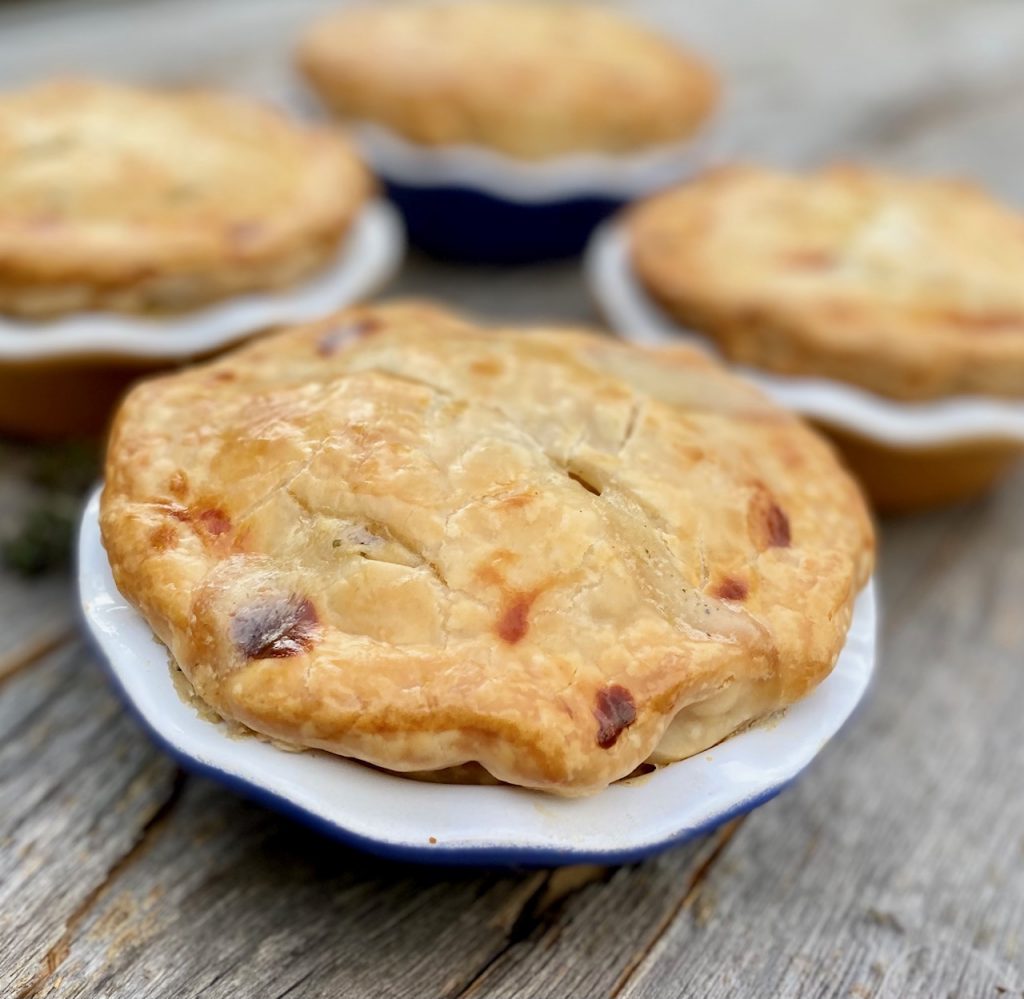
column 233, row 900
column 597, row 938
column 79, row 787
column 37, row 617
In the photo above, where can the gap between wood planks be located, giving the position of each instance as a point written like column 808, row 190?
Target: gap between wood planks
column 541, row 908
column 35, row 649
column 298, row 984
column 58, row 953
column 720, row 840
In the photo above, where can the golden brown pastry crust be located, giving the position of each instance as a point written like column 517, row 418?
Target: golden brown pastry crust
column 912, row 288
column 399, row 537
column 113, row 197
column 528, row 79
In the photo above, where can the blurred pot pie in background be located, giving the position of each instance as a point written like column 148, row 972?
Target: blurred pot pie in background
column 412, row 541
column 910, row 288
column 127, row 199
column 528, row 79
column 141, row 228
column 507, row 130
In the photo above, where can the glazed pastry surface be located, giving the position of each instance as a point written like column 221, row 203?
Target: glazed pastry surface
column 909, row 287
column 406, row 539
column 529, row 79
column 113, row 197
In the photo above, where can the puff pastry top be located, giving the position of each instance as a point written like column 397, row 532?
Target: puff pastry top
column 402, row 538
column 120, row 198
column 912, row 288
column 529, row 79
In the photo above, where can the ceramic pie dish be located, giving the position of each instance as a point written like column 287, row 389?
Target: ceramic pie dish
column 506, row 132
column 141, row 228
column 534, row 562
column 840, row 296
column 441, row 823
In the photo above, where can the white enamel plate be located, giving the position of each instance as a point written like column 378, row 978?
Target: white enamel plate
column 465, row 824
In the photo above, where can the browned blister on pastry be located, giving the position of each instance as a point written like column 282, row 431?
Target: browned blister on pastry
column 114, row 197
column 910, row 287
column 526, row 78
column 402, row 538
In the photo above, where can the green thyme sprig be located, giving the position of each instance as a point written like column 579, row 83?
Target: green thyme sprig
column 42, row 541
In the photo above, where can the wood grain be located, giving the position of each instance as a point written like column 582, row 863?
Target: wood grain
column 894, row 868
column 233, row 900
column 79, row 791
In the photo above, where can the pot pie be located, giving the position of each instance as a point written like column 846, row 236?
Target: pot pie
column 125, row 199
column 402, row 538
column 528, row 79
column 911, row 288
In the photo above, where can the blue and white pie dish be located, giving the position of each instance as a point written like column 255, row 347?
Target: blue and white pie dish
column 469, row 824
column 472, row 204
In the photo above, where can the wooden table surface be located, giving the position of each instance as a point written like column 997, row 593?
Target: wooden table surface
column 894, row 867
